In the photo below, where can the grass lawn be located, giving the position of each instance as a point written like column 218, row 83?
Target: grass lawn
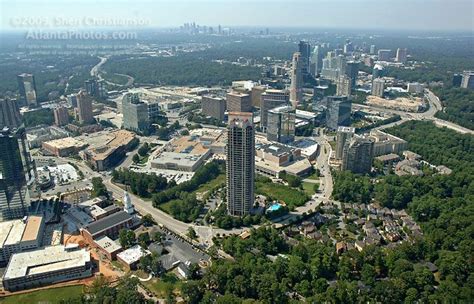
column 308, row 188
column 313, row 176
column 212, row 184
column 54, row 295
column 159, row 287
column 292, row 197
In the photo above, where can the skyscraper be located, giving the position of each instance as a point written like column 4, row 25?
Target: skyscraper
column 344, row 135
column 352, row 71
column 358, row 155
column 316, row 61
column 343, row 86
column 372, row 49
column 9, row 114
column 296, row 86
column 468, row 80
column 304, row 49
column 378, row 87
column 96, row 88
column 213, row 106
column 240, row 163
column 269, row 100
column 238, row 102
column 17, row 171
column 385, row 55
column 135, row 113
column 281, row 124
column 84, row 108
column 401, row 55
column 338, row 111
column 27, row 88
column 61, row 116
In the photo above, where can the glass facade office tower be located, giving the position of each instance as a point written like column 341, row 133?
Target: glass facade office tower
column 281, row 124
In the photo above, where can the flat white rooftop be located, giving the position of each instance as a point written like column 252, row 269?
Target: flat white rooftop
column 133, row 254
column 47, row 259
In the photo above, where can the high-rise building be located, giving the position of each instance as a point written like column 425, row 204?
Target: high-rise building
column 27, row 88
column 240, row 163
column 316, row 61
column 296, row 86
column 343, row 86
column 84, row 108
column 61, row 116
column 281, row 124
column 338, row 111
column 72, row 100
column 238, row 102
column 352, row 71
column 358, row 155
column 17, row 172
column 385, row 55
column 344, row 135
column 135, row 113
column 96, row 88
column 9, row 114
column 305, row 50
column 378, row 87
column 269, row 100
column 372, row 49
column 457, row 80
column 213, row 106
column 468, row 80
column 401, row 55
column 256, row 95
column 348, row 47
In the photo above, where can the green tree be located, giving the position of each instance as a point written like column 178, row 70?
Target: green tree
column 126, row 238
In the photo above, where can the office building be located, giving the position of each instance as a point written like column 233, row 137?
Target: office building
column 378, row 87
column 273, row 159
column 316, row 61
column 468, row 80
column 9, row 114
column 61, row 116
column 372, row 49
column 352, row 71
column 338, row 112
column 401, row 55
column 213, row 106
column 96, row 88
column 358, row 155
column 348, row 47
column 27, row 88
column 296, row 86
column 20, row 235
column 385, row 55
column 17, row 174
column 135, row 113
column 84, row 108
column 281, row 124
column 269, row 100
column 240, row 163
column 238, row 102
column 343, row 86
column 256, row 95
column 72, row 100
column 457, row 80
column 385, row 143
column 344, row 135
column 46, row 266
column 305, row 50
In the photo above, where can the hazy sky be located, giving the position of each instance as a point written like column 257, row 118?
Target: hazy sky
column 378, row 14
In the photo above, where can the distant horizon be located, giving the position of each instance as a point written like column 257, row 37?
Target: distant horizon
column 403, row 15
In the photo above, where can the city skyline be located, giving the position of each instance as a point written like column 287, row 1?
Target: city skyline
column 341, row 14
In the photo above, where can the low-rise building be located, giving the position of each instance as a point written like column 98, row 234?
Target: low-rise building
column 112, row 149
column 46, row 266
column 272, row 159
column 179, row 161
column 131, row 257
column 109, row 226
column 64, row 147
column 385, row 143
column 108, row 247
column 20, row 235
